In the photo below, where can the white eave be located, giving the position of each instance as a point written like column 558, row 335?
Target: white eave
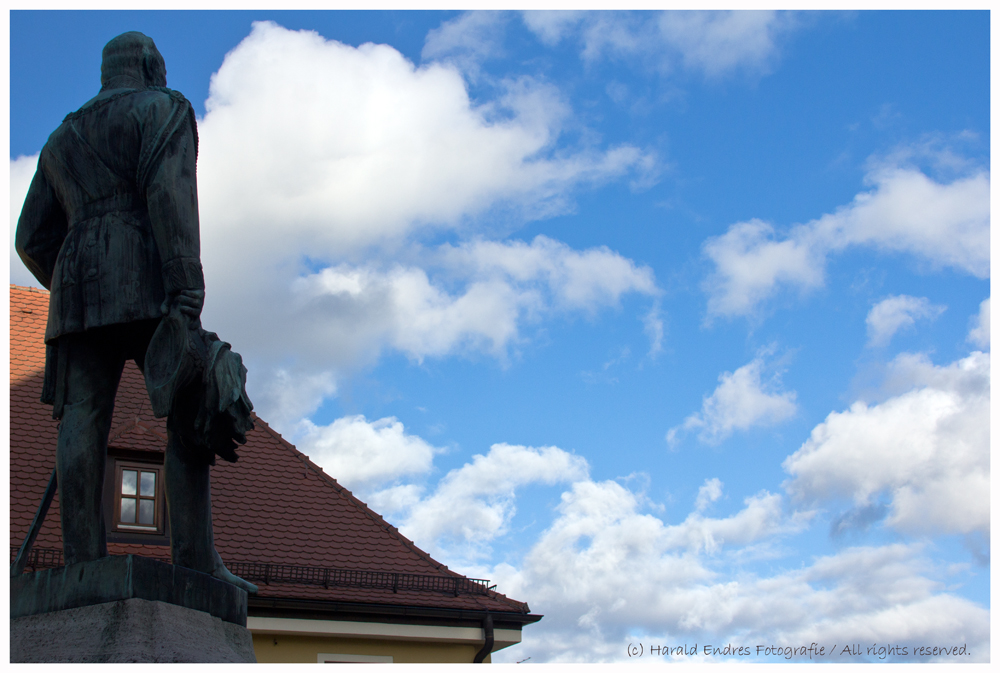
column 466, row 635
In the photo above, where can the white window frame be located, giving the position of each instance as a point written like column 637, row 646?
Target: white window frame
column 327, row 658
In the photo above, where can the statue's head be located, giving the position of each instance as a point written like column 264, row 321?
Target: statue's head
column 132, row 55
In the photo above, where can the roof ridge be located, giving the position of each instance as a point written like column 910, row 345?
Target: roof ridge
column 28, row 288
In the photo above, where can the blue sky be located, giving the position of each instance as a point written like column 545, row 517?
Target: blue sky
column 674, row 325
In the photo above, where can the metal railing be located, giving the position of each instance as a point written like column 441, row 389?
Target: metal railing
column 38, row 559
column 338, row 577
column 280, row 573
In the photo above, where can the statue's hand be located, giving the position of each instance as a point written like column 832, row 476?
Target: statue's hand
column 189, row 302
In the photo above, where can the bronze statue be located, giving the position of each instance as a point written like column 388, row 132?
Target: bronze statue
column 110, row 227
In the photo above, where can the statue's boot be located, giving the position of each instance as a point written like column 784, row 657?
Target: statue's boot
column 189, row 507
column 222, row 572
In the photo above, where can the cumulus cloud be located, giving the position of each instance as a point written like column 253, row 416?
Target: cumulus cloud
column 364, row 454
column 364, row 310
column 761, row 518
column 713, row 43
column 925, row 450
column 943, row 224
column 600, row 543
column 358, row 146
column 578, row 280
column 605, row 574
column 323, row 170
column 907, row 211
column 480, row 295
column 979, row 335
column 741, row 401
column 895, row 313
column 750, row 263
column 697, row 577
column 473, row 504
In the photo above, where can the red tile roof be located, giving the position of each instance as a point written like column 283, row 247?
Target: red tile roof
column 272, row 506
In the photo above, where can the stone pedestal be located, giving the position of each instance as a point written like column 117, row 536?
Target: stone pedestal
column 127, row 609
column 133, row 630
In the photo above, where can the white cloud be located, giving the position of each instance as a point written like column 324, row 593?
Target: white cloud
column 291, row 396
column 714, row 43
column 653, row 326
column 761, row 518
column 467, row 40
column 897, row 312
column 364, row 454
column 395, row 500
column 318, row 158
column 926, row 450
column 478, row 299
column 968, row 377
column 580, row 280
column 310, row 146
column 943, row 224
column 741, row 401
column 979, row 335
column 605, row 574
column 750, row 264
column 474, row 503
column 22, row 169
column 364, row 310
column 946, row 224
column 551, row 26
column 717, row 42
column 709, row 492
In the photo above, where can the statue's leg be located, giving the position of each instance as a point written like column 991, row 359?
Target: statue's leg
column 189, row 507
column 93, row 370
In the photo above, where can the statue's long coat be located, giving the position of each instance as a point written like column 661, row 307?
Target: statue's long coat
column 110, row 223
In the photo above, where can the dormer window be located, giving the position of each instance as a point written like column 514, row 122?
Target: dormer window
column 138, row 496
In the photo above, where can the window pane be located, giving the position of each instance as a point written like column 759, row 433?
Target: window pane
column 128, row 482
column 128, row 510
column 147, row 486
column 146, row 512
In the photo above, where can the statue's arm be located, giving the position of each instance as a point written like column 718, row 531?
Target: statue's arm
column 41, row 230
column 172, row 199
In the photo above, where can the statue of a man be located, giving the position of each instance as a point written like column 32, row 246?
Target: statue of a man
column 110, row 227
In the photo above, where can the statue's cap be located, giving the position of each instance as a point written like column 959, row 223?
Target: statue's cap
column 134, row 55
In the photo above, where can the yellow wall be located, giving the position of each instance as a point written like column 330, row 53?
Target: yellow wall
column 276, row 649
